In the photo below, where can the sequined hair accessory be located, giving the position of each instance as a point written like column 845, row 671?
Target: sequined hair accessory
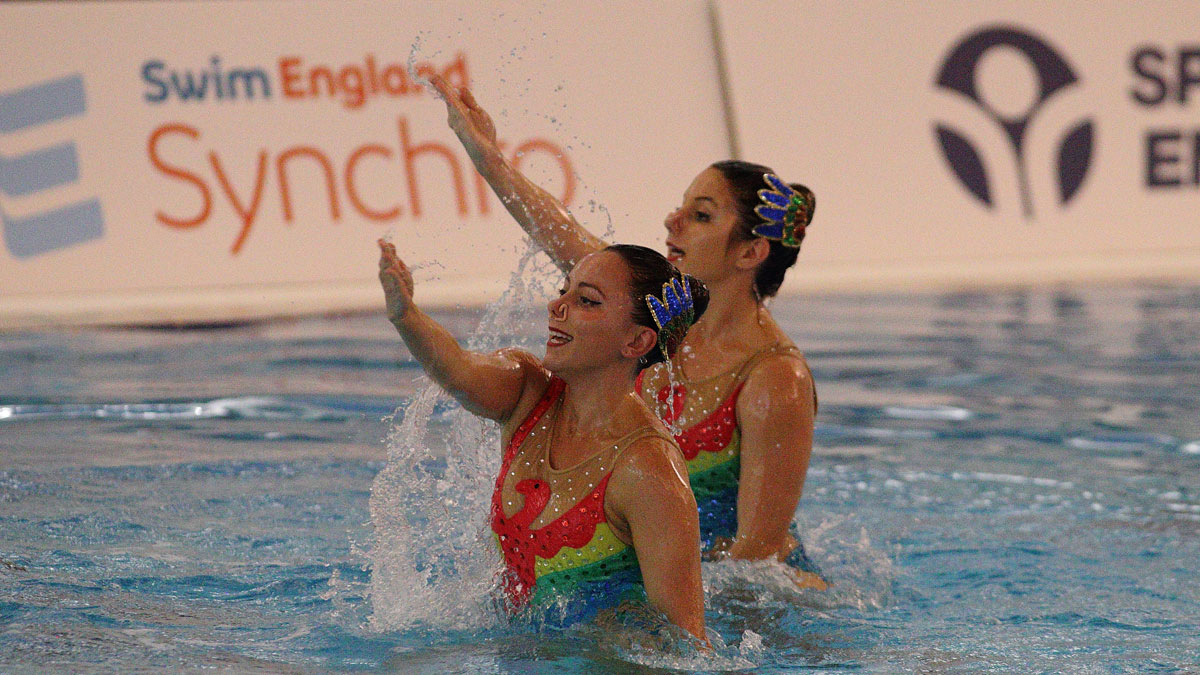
column 673, row 314
column 786, row 212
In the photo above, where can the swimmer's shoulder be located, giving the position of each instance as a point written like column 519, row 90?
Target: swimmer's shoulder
column 520, row 356
column 652, row 457
column 649, row 474
column 780, row 380
column 536, row 381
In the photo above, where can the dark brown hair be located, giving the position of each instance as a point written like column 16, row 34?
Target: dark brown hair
column 745, row 180
column 648, row 271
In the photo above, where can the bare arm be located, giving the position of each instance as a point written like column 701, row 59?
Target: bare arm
column 649, row 492
column 488, row 385
column 775, row 415
column 537, row 212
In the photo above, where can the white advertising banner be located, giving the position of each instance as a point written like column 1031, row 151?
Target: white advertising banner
column 976, row 142
column 168, row 161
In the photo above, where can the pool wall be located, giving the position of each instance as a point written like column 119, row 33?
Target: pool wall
column 189, row 162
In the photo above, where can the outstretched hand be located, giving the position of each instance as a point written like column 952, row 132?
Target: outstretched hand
column 396, row 280
column 471, row 123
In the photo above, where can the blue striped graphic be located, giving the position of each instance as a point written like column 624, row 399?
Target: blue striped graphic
column 52, row 230
column 45, row 169
column 42, row 104
column 39, row 170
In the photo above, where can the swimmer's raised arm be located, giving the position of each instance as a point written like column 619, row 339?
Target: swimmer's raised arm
column 537, row 212
column 488, row 385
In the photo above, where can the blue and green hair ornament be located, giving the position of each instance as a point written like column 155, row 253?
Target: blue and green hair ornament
column 784, row 210
column 674, row 313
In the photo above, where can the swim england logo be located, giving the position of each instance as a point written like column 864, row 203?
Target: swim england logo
column 44, row 169
column 961, row 73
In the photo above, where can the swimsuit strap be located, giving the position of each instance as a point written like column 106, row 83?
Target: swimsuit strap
column 772, row 350
column 637, row 435
column 761, row 355
column 553, row 390
column 628, row 440
column 740, row 372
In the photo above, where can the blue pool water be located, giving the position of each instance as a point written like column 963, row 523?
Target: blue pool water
column 1002, row 482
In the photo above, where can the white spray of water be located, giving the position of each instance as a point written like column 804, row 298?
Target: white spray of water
column 433, row 563
column 860, row 575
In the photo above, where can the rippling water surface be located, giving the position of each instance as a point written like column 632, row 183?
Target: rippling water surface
column 1002, row 482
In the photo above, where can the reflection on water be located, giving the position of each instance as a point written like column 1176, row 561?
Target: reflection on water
column 1003, row 481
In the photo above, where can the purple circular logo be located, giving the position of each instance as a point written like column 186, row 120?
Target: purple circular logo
column 1049, row 74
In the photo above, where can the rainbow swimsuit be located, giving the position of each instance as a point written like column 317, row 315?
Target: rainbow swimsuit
column 560, row 552
column 711, row 441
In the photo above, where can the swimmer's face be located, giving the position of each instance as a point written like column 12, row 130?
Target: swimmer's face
column 698, row 232
column 591, row 322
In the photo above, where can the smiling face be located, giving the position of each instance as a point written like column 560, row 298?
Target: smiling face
column 699, row 231
column 591, row 324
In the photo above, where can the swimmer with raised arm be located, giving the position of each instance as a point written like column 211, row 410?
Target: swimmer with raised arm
column 741, row 397
column 592, row 500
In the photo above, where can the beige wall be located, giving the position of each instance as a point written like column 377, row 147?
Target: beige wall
column 222, row 208
column 842, row 96
column 234, row 207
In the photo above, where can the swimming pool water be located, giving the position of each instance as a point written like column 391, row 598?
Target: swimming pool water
column 1002, row 482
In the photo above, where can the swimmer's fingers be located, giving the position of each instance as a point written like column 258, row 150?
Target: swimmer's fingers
column 469, row 101
column 808, row 580
column 395, row 271
column 387, row 254
column 443, row 89
column 455, row 107
column 479, row 117
column 448, row 94
column 396, row 280
column 470, row 123
column 459, row 99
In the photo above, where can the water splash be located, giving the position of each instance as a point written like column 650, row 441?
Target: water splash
column 433, row 563
column 860, row 575
column 411, row 65
column 636, row 633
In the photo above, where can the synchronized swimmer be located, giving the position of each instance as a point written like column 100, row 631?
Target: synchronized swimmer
column 591, row 506
column 739, row 395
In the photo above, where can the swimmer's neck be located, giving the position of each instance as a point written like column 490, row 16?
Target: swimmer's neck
column 732, row 310
column 593, row 400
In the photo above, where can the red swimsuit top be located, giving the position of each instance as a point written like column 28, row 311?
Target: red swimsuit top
column 576, row 547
